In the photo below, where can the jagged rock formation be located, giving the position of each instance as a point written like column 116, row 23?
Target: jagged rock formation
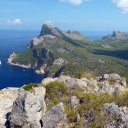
column 21, row 109
column 28, row 108
column 121, row 114
column 36, row 109
column 49, row 29
column 53, row 118
column 116, row 36
column 108, row 83
column 7, row 97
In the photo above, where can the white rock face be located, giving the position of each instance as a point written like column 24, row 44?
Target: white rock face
column 29, row 107
column 7, row 97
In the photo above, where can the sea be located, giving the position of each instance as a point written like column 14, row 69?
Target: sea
column 17, row 41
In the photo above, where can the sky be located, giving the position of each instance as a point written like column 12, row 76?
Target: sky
column 82, row 15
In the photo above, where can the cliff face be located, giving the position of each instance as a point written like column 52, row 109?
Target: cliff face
column 65, row 102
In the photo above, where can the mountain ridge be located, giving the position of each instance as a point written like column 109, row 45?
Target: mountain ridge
column 57, row 52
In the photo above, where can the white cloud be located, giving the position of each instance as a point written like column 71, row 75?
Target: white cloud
column 15, row 21
column 122, row 4
column 75, row 2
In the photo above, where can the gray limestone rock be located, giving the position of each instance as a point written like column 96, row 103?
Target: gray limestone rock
column 74, row 101
column 54, row 117
column 28, row 107
column 121, row 113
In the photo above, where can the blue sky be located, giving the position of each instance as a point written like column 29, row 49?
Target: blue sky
column 82, row 15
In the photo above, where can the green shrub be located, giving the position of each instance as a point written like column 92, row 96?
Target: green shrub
column 29, row 87
column 56, row 89
column 56, row 92
column 85, row 74
column 111, row 82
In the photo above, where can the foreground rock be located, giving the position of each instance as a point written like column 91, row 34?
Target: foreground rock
column 7, row 97
column 55, row 117
column 28, row 108
column 120, row 114
column 22, row 109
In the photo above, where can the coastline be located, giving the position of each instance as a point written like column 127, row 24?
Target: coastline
column 29, row 66
column 10, row 59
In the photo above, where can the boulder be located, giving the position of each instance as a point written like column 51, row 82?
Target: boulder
column 121, row 113
column 54, row 117
column 74, row 101
column 28, row 107
column 7, row 97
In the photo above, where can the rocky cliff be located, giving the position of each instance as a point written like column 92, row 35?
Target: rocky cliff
column 66, row 102
column 116, row 35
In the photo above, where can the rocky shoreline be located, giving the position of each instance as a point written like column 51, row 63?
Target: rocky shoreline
column 41, row 70
column 10, row 59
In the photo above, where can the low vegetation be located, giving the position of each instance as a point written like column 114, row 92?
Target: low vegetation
column 29, row 87
column 89, row 107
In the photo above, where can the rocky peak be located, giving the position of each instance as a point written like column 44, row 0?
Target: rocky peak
column 117, row 35
column 48, row 29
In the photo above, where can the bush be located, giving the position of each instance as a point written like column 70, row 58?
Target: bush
column 56, row 89
column 29, row 87
column 87, row 75
column 56, row 92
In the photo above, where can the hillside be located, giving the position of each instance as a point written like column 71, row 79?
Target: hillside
column 57, row 52
column 67, row 102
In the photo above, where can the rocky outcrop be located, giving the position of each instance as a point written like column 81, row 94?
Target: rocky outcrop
column 28, row 108
column 116, row 36
column 108, row 83
column 120, row 114
column 70, row 82
column 55, row 117
column 74, row 101
column 49, row 29
column 23, row 109
column 7, row 97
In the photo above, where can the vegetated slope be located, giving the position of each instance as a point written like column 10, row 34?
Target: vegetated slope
column 70, row 53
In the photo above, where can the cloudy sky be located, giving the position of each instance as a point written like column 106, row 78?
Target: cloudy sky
column 87, row 15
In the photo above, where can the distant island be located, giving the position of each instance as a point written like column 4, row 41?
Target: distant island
column 69, row 53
